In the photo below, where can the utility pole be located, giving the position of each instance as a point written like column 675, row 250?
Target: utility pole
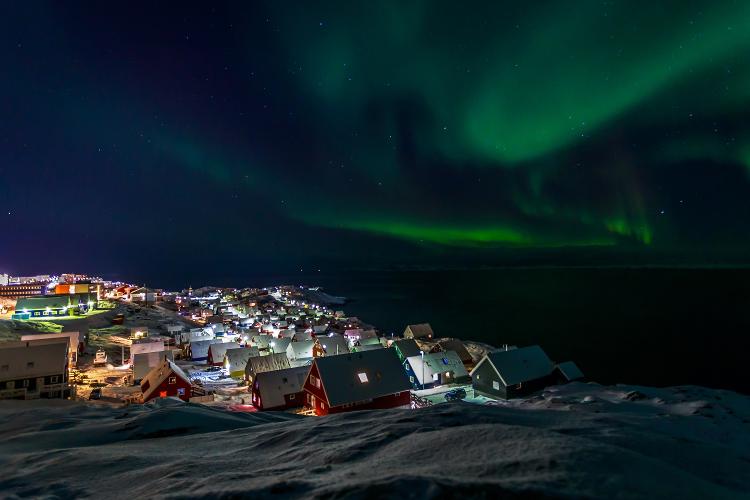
column 422, row 353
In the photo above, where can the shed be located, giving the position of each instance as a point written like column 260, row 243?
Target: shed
column 166, row 380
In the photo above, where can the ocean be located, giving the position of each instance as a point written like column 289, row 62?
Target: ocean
column 646, row 326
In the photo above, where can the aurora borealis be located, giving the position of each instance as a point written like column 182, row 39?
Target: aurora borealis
column 375, row 131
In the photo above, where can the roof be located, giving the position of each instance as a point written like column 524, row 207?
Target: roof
column 72, row 337
column 367, row 347
column 280, row 345
column 341, row 376
column 570, row 370
column 437, row 362
column 141, row 347
column 34, row 358
column 218, row 350
column 407, row 347
column 458, row 347
column 51, row 301
column 299, row 350
column 274, row 385
column 238, row 356
column 418, row 331
column 159, row 374
column 335, row 344
column 521, row 365
column 199, row 349
column 260, row 364
column 144, row 362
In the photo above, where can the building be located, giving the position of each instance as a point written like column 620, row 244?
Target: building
column 280, row 389
column 302, row 352
column 34, row 369
column 166, row 380
column 217, row 351
column 198, row 350
column 75, row 344
column 235, row 360
column 458, row 347
column 419, row 331
column 92, row 288
column 144, row 362
column 260, row 364
column 513, row 373
column 361, row 381
column 334, row 345
column 24, row 290
column 436, row 368
column 146, row 346
column 406, row 348
column 3, row 279
column 567, row 371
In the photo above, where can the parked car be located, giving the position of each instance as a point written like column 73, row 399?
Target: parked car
column 455, row 394
column 96, row 394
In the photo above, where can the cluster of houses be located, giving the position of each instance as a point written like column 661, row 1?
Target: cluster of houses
column 298, row 355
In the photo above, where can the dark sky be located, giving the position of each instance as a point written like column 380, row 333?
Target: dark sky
column 153, row 139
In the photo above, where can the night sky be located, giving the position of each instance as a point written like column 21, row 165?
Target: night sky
column 150, row 140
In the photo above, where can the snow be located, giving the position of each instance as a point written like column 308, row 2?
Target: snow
column 578, row 440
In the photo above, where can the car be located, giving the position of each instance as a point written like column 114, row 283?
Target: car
column 96, row 394
column 455, row 394
column 213, row 369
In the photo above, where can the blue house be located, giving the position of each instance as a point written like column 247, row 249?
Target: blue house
column 434, row 369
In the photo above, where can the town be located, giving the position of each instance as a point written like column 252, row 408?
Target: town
column 284, row 348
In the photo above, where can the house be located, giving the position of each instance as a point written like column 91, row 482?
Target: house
column 75, row 345
column 260, row 364
column 303, row 351
column 456, row 346
column 196, row 334
column 34, row 369
column 436, row 368
column 406, row 348
column 513, row 373
column 198, row 350
column 146, row 361
column 261, row 341
column 53, row 305
column 235, row 360
column 144, row 347
column 366, row 347
column 280, row 389
column 419, row 331
column 217, row 351
column 166, row 380
column 361, row 381
column 333, row 345
column 278, row 345
column 300, row 336
column 567, row 371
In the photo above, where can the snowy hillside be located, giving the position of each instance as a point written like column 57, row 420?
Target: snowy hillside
column 580, row 440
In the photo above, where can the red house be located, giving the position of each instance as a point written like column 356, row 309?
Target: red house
column 360, row 381
column 280, row 389
column 166, row 380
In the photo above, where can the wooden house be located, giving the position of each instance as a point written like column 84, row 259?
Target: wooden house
column 458, row 347
column 333, row 345
column 235, row 360
column 361, row 381
column 429, row 370
column 406, row 348
column 280, row 389
column 567, row 371
column 419, row 331
column 260, row 364
column 513, row 373
column 144, row 362
column 34, row 369
column 166, row 380
column 217, row 351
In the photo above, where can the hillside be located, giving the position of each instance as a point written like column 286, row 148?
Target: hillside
column 580, row 440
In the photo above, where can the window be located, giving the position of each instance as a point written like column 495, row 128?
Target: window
column 53, row 379
column 26, row 383
column 496, row 385
column 30, row 364
column 435, row 376
column 411, row 379
column 172, row 380
column 362, row 377
column 291, row 396
column 181, row 391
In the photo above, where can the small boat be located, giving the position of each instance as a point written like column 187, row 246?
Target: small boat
column 101, row 358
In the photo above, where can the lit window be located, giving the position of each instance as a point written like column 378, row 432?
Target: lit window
column 172, row 380
column 362, row 377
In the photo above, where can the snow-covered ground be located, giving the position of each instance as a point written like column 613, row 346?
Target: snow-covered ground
column 579, row 440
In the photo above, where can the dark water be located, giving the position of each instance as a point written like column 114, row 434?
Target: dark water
column 655, row 327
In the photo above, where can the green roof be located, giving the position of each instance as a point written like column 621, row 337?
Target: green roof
column 51, row 301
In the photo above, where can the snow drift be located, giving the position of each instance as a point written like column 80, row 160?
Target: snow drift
column 579, row 440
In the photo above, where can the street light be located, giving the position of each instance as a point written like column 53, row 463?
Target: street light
column 422, row 354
